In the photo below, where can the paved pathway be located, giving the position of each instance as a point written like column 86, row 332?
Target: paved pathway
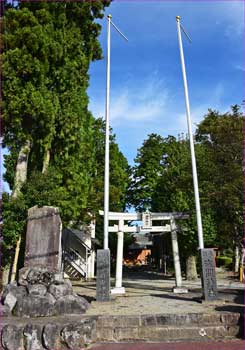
column 148, row 293
column 227, row 345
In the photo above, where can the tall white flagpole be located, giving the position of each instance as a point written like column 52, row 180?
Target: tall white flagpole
column 193, row 158
column 107, row 135
column 107, row 130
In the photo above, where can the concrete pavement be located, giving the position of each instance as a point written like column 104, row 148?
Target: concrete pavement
column 221, row 345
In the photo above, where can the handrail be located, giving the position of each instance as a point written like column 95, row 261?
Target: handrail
column 73, row 256
column 79, row 239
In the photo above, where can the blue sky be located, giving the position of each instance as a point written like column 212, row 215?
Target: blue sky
column 146, row 80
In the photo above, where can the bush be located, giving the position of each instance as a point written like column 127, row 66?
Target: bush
column 224, row 261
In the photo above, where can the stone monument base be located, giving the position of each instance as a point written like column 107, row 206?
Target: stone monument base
column 118, row 290
column 41, row 292
column 180, row 290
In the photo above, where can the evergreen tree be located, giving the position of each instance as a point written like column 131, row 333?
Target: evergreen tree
column 48, row 47
column 144, row 175
column 223, row 136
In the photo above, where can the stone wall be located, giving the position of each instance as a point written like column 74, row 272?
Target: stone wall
column 77, row 332
column 51, row 334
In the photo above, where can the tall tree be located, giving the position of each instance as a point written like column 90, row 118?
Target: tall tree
column 48, row 47
column 144, row 175
column 223, row 136
column 119, row 179
column 166, row 180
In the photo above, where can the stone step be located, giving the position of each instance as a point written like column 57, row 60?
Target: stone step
column 76, row 332
column 169, row 327
column 166, row 333
column 190, row 319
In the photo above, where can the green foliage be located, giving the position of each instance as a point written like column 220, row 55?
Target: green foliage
column 225, row 261
column 119, row 179
column 14, row 222
column 162, row 179
column 145, row 173
column 48, row 48
column 223, row 136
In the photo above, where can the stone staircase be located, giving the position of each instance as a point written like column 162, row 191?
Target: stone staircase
column 170, row 327
column 75, row 259
column 79, row 331
column 74, row 264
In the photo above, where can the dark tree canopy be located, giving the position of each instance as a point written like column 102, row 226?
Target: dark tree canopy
column 48, row 48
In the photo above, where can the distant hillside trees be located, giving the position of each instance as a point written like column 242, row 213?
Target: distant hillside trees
column 162, row 180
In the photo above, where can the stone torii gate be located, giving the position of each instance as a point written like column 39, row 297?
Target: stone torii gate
column 147, row 218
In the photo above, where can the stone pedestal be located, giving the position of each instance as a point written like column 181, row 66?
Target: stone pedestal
column 103, row 275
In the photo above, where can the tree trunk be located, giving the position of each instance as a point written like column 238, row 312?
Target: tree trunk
column 46, row 161
column 237, row 260
column 20, row 179
column 242, row 256
column 5, row 273
column 191, row 268
column 16, row 257
column 21, row 168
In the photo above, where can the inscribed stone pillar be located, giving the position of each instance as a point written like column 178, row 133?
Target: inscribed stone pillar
column 209, row 282
column 43, row 238
column 103, row 275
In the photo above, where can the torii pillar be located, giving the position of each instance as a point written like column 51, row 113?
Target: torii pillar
column 119, row 289
column 175, row 248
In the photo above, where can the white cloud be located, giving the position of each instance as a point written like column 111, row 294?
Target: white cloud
column 198, row 111
column 239, row 67
column 145, row 101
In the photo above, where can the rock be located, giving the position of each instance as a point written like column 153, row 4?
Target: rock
column 60, row 290
column 36, row 275
column 35, row 306
column 5, row 310
column 32, row 335
column 23, row 273
column 71, row 304
column 68, row 282
column 10, row 301
column 18, row 291
column 77, row 336
column 37, row 289
column 51, row 337
column 39, row 275
column 12, row 338
column 58, row 278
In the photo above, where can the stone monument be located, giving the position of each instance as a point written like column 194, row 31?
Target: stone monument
column 43, row 238
column 208, row 275
column 103, row 275
column 41, row 289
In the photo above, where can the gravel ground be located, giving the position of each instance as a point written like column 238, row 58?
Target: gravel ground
column 151, row 293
